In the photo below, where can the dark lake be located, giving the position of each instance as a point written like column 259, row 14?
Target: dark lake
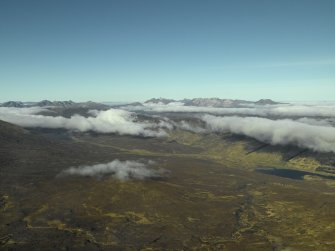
column 290, row 173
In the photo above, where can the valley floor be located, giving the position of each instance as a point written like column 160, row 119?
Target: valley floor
column 212, row 197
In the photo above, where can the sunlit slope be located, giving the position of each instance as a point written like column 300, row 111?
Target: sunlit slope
column 238, row 151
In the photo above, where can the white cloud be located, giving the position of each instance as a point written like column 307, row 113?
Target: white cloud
column 309, row 126
column 276, row 132
column 122, row 170
column 317, row 122
column 21, row 111
column 110, row 121
column 282, row 110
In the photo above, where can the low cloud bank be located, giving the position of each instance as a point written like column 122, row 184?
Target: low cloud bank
column 20, row 111
column 316, row 133
column 122, row 170
column 330, row 122
column 110, row 121
column 255, row 110
column 276, row 132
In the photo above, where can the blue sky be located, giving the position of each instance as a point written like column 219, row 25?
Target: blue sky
column 134, row 50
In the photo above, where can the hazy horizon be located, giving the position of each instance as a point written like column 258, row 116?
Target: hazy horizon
column 143, row 100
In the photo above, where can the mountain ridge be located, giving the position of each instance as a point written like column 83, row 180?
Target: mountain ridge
column 57, row 104
column 212, row 102
column 200, row 102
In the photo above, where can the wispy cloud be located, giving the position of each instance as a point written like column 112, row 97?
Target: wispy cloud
column 279, row 64
column 122, row 170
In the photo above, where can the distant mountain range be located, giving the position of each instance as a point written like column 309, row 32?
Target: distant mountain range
column 57, row 104
column 212, row 102
column 204, row 102
column 13, row 104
